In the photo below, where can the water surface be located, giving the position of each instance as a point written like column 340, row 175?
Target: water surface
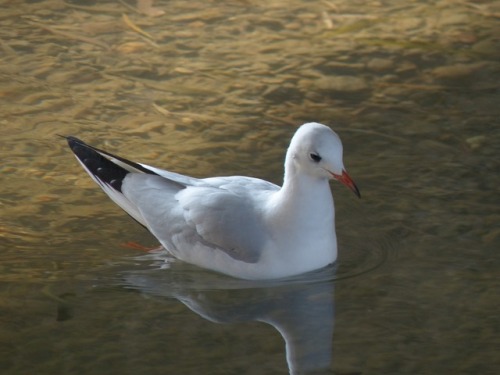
column 218, row 88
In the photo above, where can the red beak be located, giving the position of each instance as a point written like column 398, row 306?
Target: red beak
column 347, row 181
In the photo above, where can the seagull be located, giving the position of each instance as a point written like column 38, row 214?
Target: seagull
column 239, row 226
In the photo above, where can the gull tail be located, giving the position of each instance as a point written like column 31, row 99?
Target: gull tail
column 108, row 171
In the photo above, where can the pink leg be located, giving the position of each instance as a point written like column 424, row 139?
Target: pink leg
column 136, row 246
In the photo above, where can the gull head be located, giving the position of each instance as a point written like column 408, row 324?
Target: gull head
column 316, row 150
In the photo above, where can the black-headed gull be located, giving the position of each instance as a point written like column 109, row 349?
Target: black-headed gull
column 241, row 226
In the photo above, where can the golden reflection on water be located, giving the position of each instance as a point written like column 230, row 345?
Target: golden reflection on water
column 218, row 88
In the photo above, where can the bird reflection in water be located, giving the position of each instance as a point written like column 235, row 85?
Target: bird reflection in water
column 301, row 309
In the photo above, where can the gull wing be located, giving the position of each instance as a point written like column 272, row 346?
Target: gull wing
column 199, row 217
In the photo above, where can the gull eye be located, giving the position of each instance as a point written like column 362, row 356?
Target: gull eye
column 315, row 157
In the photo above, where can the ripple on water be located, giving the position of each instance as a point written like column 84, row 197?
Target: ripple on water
column 163, row 269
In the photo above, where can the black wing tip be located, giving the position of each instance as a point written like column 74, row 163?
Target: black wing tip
column 97, row 165
column 98, row 162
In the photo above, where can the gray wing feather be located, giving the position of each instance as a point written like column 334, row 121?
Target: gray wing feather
column 219, row 219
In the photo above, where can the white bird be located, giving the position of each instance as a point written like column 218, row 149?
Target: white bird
column 240, row 226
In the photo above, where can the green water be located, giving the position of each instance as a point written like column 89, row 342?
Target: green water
column 218, row 88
